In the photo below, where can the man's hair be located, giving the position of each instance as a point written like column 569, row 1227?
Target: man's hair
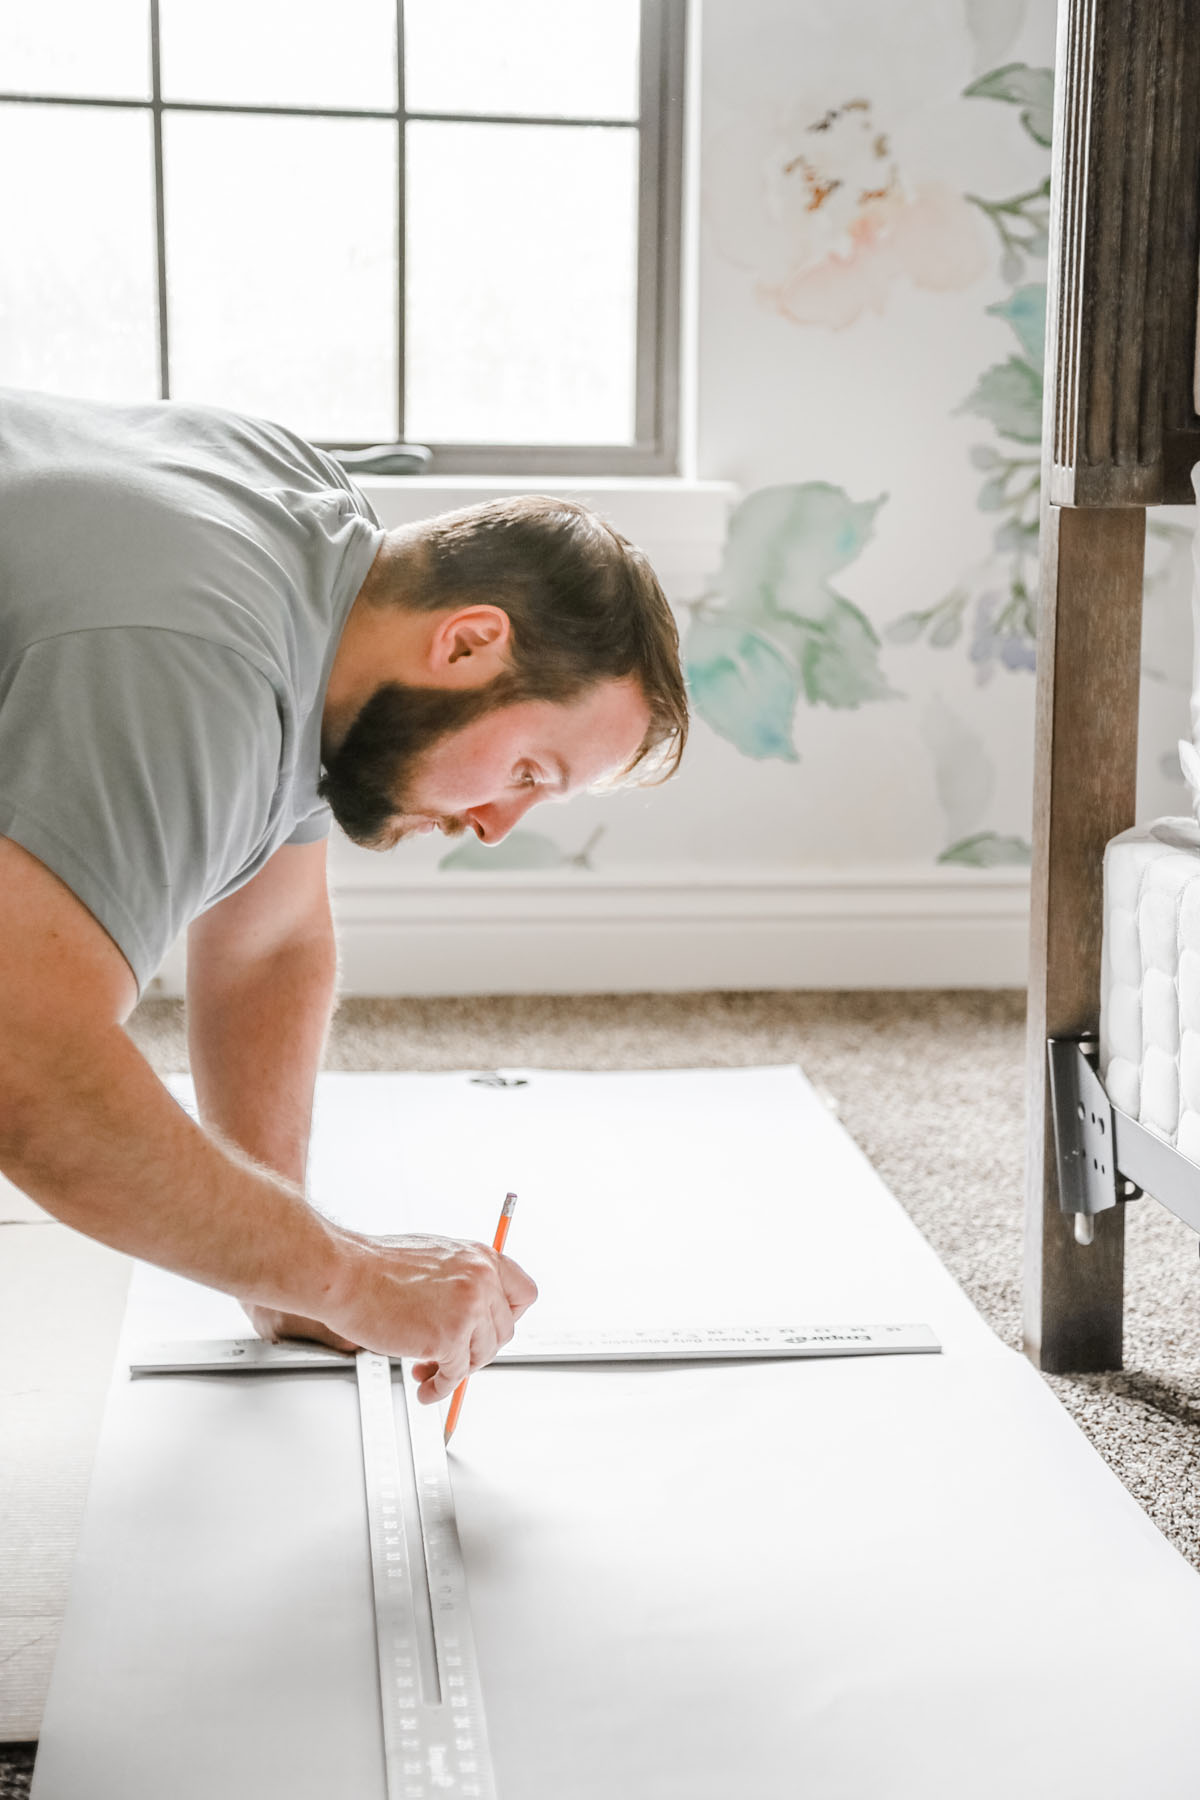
column 583, row 603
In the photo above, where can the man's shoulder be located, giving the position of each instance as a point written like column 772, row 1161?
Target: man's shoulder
column 118, row 471
column 177, row 517
column 42, row 429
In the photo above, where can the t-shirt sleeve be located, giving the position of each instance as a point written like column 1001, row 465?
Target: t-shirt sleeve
column 313, row 827
column 139, row 765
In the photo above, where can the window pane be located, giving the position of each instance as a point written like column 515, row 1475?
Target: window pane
column 573, row 60
column 78, row 291
column 522, row 279
column 280, row 52
column 281, row 266
column 76, row 47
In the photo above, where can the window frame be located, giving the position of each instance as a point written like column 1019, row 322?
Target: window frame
column 660, row 129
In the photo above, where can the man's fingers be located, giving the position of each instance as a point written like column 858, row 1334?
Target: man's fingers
column 485, row 1342
column 437, row 1380
column 519, row 1290
column 441, row 1383
column 448, row 1304
column 503, row 1321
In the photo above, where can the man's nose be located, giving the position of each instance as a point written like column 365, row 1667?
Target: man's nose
column 495, row 820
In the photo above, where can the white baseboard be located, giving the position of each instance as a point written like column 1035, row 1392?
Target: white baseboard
column 571, row 932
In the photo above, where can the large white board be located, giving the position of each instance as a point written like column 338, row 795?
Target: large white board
column 881, row 1579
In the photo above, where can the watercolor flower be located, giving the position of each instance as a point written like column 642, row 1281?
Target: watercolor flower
column 820, row 212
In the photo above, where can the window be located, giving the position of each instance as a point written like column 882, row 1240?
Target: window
column 452, row 221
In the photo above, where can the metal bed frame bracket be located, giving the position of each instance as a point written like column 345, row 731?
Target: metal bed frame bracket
column 1089, row 1180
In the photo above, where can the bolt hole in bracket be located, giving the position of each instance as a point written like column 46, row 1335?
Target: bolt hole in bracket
column 1105, row 1156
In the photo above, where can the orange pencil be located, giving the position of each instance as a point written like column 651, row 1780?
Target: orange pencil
column 506, row 1213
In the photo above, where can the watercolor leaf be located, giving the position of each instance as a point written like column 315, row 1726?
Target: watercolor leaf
column 840, row 662
column 994, row 26
column 947, row 630
column 1030, row 89
column 1025, row 311
column 907, row 628
column 782, row 630
column 988, row 850
column 784, row 544
column 519, row 850
column 743, row 687
column 1020, row 535
column 1009, row 394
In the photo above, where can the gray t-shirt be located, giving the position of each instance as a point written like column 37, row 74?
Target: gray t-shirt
column 173, row 584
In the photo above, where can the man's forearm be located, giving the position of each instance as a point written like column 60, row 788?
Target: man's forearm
column 255, row 1035
column 93, row 1135
column 87, row 1128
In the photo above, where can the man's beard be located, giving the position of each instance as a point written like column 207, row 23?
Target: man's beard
column 369, row 779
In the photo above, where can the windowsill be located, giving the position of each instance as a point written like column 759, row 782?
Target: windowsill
column 535, row 484
column 680, row 523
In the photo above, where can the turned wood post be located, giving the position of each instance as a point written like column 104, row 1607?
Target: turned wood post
column 1121, row 433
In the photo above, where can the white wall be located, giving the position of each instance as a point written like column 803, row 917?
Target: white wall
column 863, row 363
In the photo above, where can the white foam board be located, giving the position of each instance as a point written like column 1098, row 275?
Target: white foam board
column 876, row 1579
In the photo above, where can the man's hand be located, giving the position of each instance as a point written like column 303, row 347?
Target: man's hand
column 448, row 1304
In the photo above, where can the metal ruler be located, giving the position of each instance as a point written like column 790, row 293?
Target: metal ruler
column 431, row 1701
column 434, row 1735
column 706, row 1343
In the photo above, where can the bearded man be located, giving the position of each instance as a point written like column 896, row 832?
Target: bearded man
column 208, row 648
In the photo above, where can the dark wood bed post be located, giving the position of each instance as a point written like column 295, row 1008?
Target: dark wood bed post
column 1121, row 434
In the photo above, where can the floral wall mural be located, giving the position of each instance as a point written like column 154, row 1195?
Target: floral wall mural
column 899, row 189
column 874, row 192
column 843, row 214
column 995, row 601
column 818, row 210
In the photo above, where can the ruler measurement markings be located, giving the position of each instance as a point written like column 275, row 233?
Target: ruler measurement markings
column 408, row 1677
column 714, row 1343
column 419, row 1575
column 434, row 1736
column 448, row 1589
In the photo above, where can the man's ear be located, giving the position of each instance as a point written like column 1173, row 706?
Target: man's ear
column 470, row 646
